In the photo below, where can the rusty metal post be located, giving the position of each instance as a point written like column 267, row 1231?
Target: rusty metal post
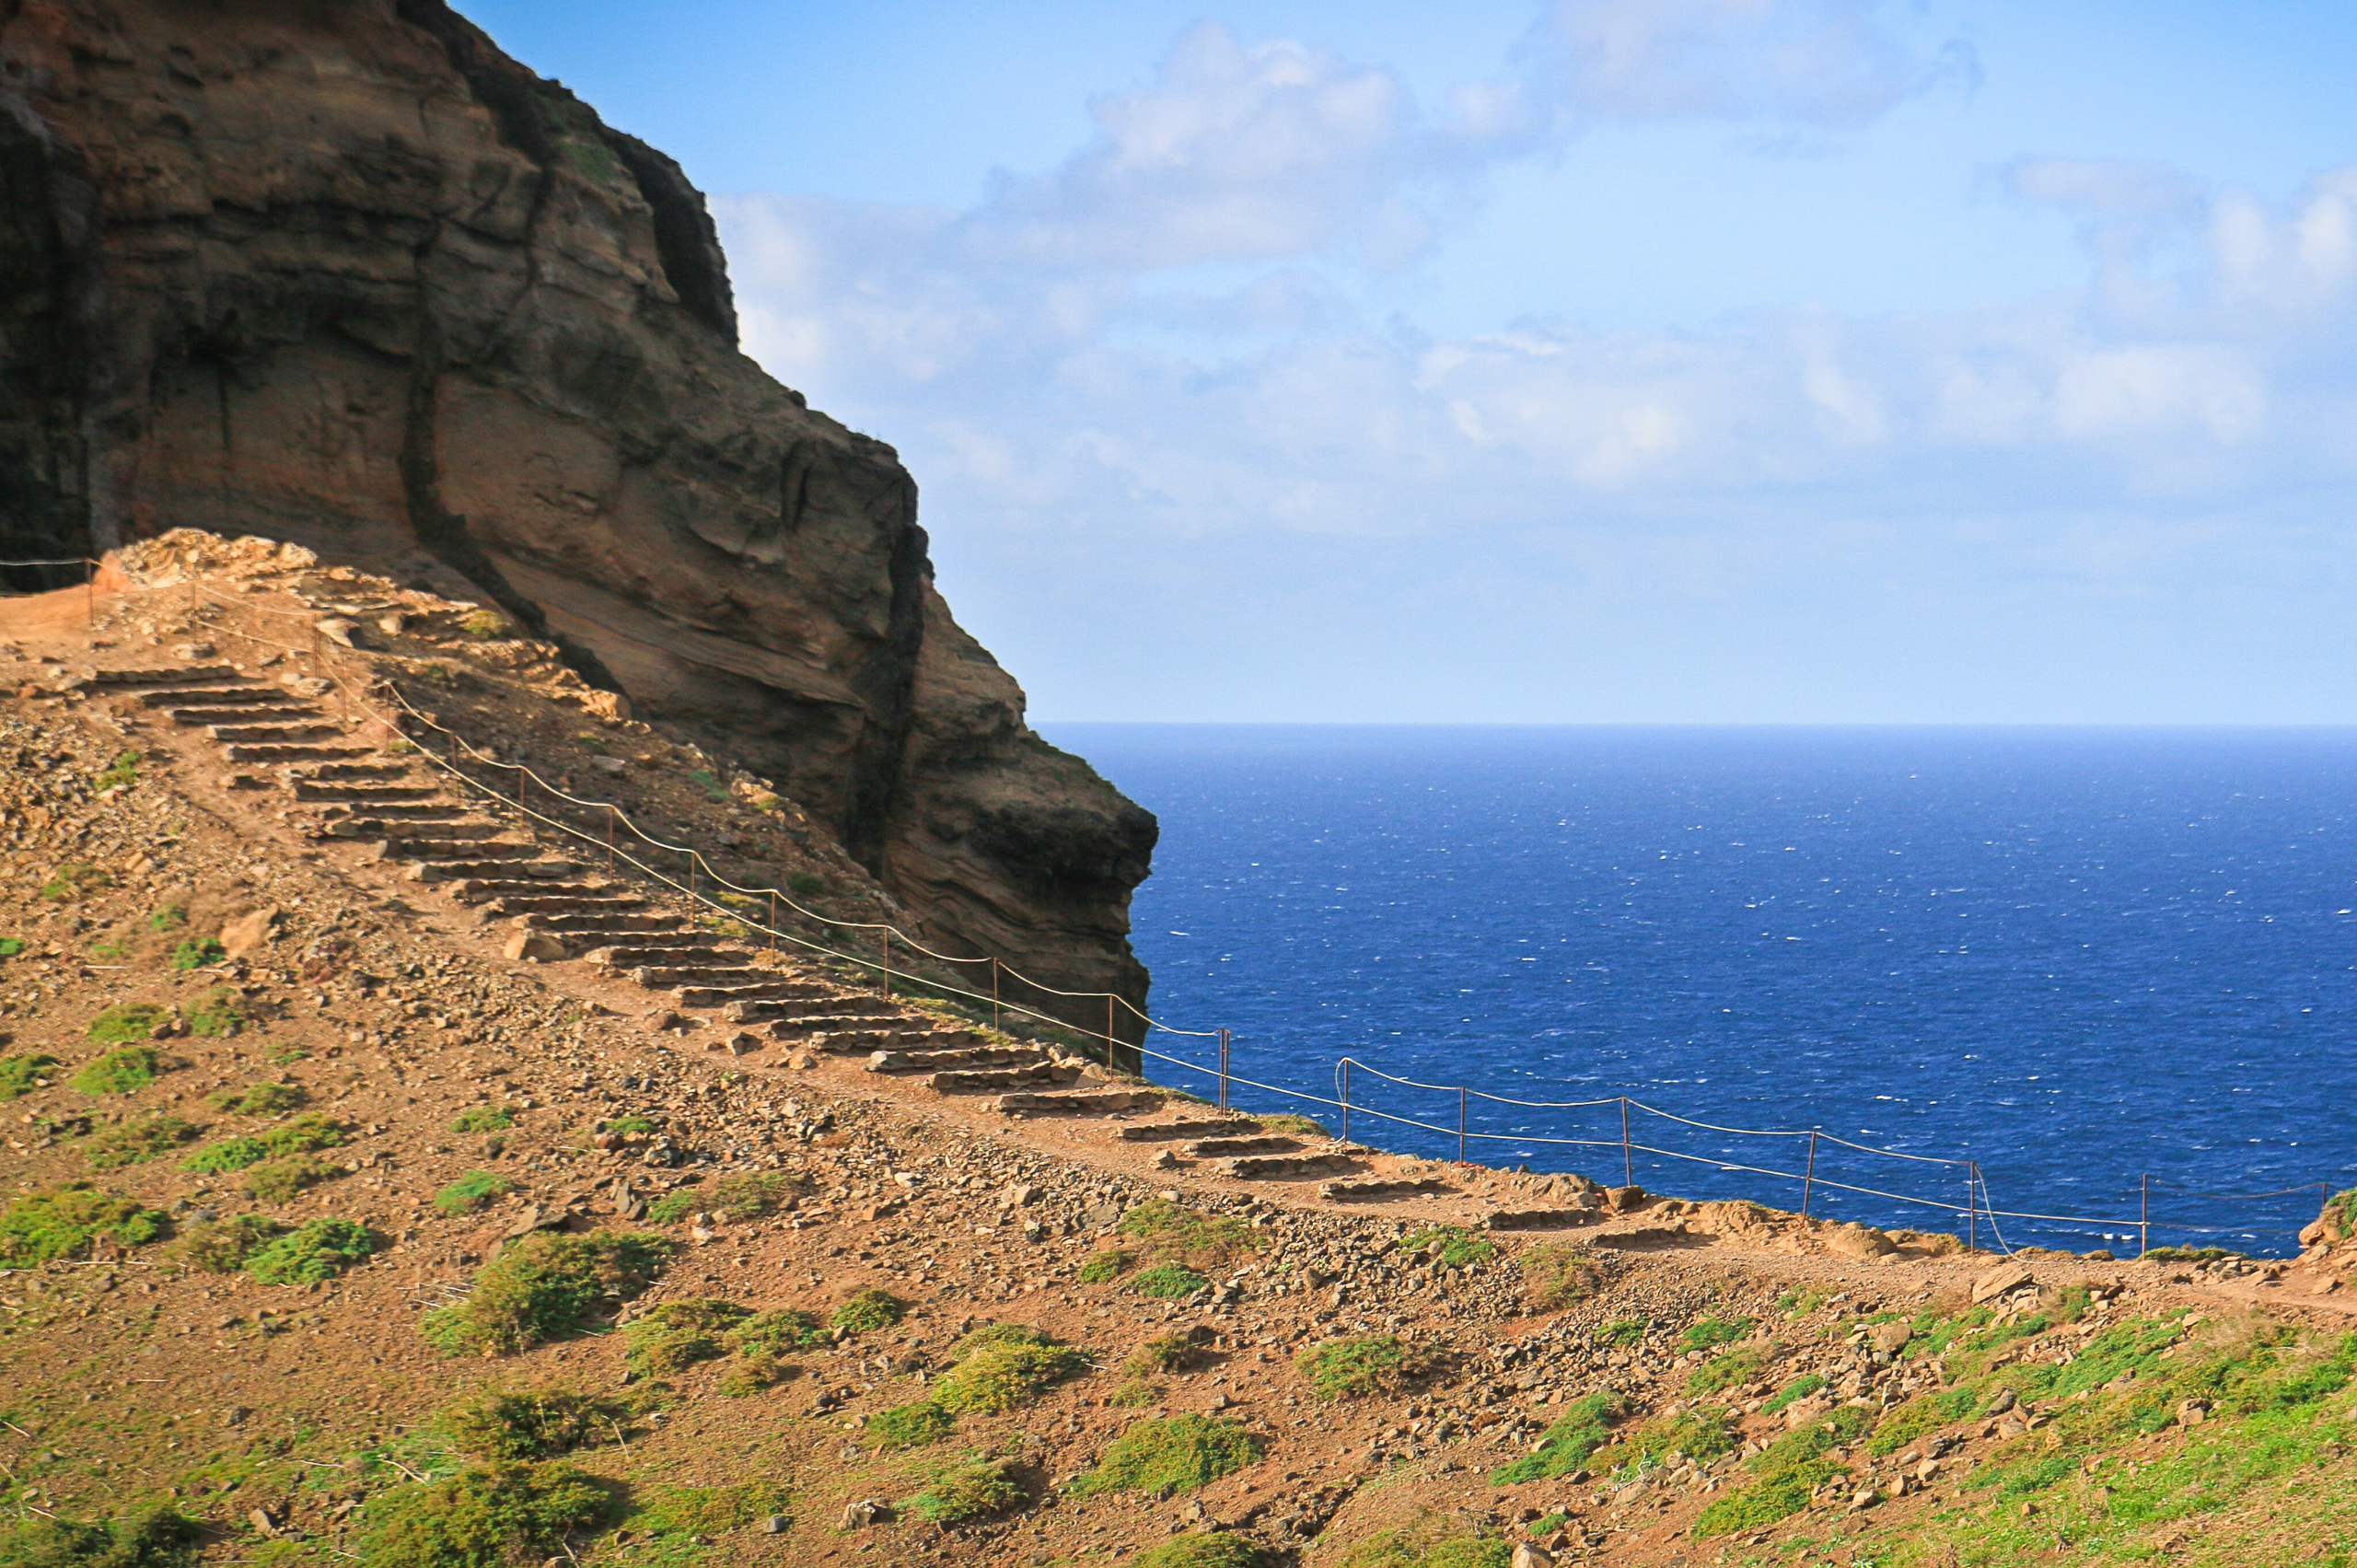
column 1222, row 1069
column 1810, row 1180
column 90, row 594
column 1972, row 1205
column 2145, row 1213
column 887, row 963
column 1627, row 1157
column 994, row 992
column 773, row 919
column 611, row 815
column 1346, row 1102
column 1460, row 1123
column 692, row 871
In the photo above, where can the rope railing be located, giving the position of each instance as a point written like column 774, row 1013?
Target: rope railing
column 1978, row 1204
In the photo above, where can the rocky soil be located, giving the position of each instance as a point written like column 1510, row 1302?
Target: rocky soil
column 1482, row 1312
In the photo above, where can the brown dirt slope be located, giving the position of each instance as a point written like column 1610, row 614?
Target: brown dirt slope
column 277, row 965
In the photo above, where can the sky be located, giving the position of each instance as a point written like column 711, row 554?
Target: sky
column 1592, row 361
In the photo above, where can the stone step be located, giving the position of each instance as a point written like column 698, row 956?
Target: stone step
column 556, row 902
column 377, row 771
column 659, row 976
column 457, row 847
column 650, row 949
column 235, row 695
column 281, row 733
column 1223, row 1148
column 819, row 998
column 370, row 793
column 1268, row 1167
column 616, row 922
column 1095, row 1102
column 516, row 872
column 383, row 818
column 1163, row 1131
column 718, row 995
column 786, row 1007
column 386, row 827
column 475, row 890
column 917, row 1061
column 834, row 1024
column 1002, row 1078
column 1373, row 1191
column 260, row 712
column 136, row 675
column 282, row 751
column 1539, row 1219
column 839, row 1042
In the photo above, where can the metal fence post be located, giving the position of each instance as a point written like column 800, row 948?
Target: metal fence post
column 773, row 919
column 2144, row 1214
column 1222, row 1069
column 1460, row 1123
column 887, row 963
column 1628, row 1158
column 1346, row 1101
column 1110, row 1046
column 994, row 991
column 1809, row 1181
column 1972, row 1205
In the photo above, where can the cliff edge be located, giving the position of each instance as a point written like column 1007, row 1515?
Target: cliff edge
column 350, row 277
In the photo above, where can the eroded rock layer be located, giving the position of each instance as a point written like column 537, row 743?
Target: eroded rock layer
column 348, row 276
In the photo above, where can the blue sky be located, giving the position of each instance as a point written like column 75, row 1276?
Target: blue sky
column 1593, row 361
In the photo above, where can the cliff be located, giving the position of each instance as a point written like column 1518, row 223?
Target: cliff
column 348, row 277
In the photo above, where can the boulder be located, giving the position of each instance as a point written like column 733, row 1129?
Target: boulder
column 2003, row 1280
column 1890, row 1338
column 1854, row 1240
column 535, row 947
column 250, row 930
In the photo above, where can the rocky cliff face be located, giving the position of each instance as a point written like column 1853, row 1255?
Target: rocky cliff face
column 346, row 275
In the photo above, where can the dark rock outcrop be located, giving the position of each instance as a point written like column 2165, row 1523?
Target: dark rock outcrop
column 348, row 276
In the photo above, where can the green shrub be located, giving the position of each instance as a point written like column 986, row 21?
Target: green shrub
column 629, row 1124
column 868, row 1310
column 1722, row 1372
column 485, row 1119
column 20, row 1075
column 1163, row 1353
column 476, row 1190
column 1177, row 1235
column 1292, row 1126
column 485, row 624
column 230, row 1154
column 1623, row 1332
column 317, row 1250
column 752, row 1373
column 1699, row 1433
column 678, row 1334
column 65, row 1221
column 543, row 1286
column 1788, row 1472
column 155, row 1537
column 999, row 1376
column 806, row 884
column 1435, row 1542
column 171, row 917
column 281, row 1181
column 979, row 1488
column 1456, row 1246
column 1583, row 1428
column 1136, row 1393
column 2339, row 1210
column 694, row 1510
column 221, row 1246
column 673, row 1207
column 1800, row 1387
column 1921, row 1414
column 11, row 946
column 70, row 882
column 1364, row 1363
column 749, row 1195
column 489, row 1517
column 136, row 1141
column 1169, row 1281
column 1178, row 1453
column 775, row 1332
column 121, row 773
column 257, row 1100
column 1216, row 1550
column 218, row 1014
column 196, row 953
column 529, row 1423
column 1102, row 1268
column 908, row 1426
column 989, row 1334
column 120, row 1072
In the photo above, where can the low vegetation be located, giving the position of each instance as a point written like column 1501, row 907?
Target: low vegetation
column 65, row 1222
column 257, row 1100
column 976, row 1489
column 1453, row 1245
column 120, row 1072
column 1585, row 1426
column 1361, row 1364
column 313, row 1252
column 476, row 1190
column 135, row 1140
column 678, row 1334
column 868, row 1311
column 485, row 1119
column 1104, row 1268
column 1002, row 1366
column 155, row 1537
column 19, row 1076
column 516, row 1425
column 489, row 1515
column 1174, row 1234
column 545, row 1286
column 1176, row 1454
column 1556, row 1275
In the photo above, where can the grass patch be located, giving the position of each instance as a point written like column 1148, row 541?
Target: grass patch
column 476, row 1190
column 66, row 1221
column 131, row 1069
column 257, row 1100
column 154, row 1537
column 978, row 1489
column 1176, row 1454
column 11, row 946
column 868, row 1310
column 171, row 917
column 678, row 1334
column 1103, row 1268
column 1216, row 1550
column 543, row 1287
column 282, row 1181
column 20, row 1075
column 780, row 1329
column 908, row 1426
column 1456, row 1246
column 1167, row 1281
column 1135, row 1393
column 1724, row 1372
column 998, row 1372
column 485, row 1119
column 484, row 624
column 218, row 1014
column 1623, row 1332
column 68, row 883
column 1433, row 1542
column 314, row 1253
column 1800, row 1387
column 529, row 1423
column 698, row 1510
column 1922, row 1414
column 1709, row 1334
column 1580, row 1431
column 299, row 1136
column 1360, row 1364
column 196, row 953
column 484, row 1518
column 121, row 773
column 1163, row 1353
column 673, row 1207
column 746, row 1196
column 220, row 1246
column 703, row 778
column 1177, row 1235
column 1288, row 1125
column 1791, row 1470
column 1698, row 1434
column 136, row 1141
column 629, row 1124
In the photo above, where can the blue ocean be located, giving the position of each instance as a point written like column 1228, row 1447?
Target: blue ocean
column 2114, row 970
